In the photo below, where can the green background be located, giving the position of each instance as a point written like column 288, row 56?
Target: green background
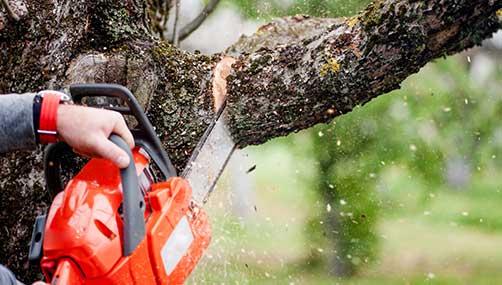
column 405, row 190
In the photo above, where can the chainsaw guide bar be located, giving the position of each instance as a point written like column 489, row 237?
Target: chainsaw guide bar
column 209, row 158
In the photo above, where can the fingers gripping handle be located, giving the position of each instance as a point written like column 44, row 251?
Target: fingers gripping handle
column 133, row 204
column 148, row 135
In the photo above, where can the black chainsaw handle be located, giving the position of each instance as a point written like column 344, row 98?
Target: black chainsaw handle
column 144, row 135
column 133, row 204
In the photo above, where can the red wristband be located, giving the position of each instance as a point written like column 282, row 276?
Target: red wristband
column 47, row 129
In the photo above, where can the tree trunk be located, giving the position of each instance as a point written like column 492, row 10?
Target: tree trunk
column 290, row 75
column 339, row 264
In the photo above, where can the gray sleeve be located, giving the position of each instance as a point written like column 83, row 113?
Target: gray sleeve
column 6, row 276
column 16, row 122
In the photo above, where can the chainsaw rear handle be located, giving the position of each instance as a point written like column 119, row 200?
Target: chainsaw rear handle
column 144, row 135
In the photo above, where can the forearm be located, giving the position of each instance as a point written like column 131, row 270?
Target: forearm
column 16, row 122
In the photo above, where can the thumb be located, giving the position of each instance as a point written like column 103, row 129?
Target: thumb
column 108, row 150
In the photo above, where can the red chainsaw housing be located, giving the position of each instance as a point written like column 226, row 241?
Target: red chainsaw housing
column 83, row 232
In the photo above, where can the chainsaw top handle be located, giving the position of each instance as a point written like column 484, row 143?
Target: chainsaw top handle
column 144, row 134
column 132, row 202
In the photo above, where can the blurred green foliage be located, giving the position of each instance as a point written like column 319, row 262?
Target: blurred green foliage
column 345, row 188
column 438, row 131
column 383, row 175
column 390, row 161
column 430, row 152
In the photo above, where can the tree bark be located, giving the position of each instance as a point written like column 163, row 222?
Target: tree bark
column 290, row 75
column 295, row 82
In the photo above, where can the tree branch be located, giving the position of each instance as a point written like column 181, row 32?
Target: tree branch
column 288, row 30
column 9, row 10
column 175, row 37
column 282, row 87
column 155, row 16
column 195, row 23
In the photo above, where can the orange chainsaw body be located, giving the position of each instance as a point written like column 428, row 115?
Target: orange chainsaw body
column 84, row 228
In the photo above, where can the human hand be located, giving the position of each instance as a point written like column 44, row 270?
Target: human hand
column 87, row 130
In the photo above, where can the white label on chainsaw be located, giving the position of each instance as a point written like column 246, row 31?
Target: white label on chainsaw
column 177, row 245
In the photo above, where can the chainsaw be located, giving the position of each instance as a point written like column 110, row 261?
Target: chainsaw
column 140, row 225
